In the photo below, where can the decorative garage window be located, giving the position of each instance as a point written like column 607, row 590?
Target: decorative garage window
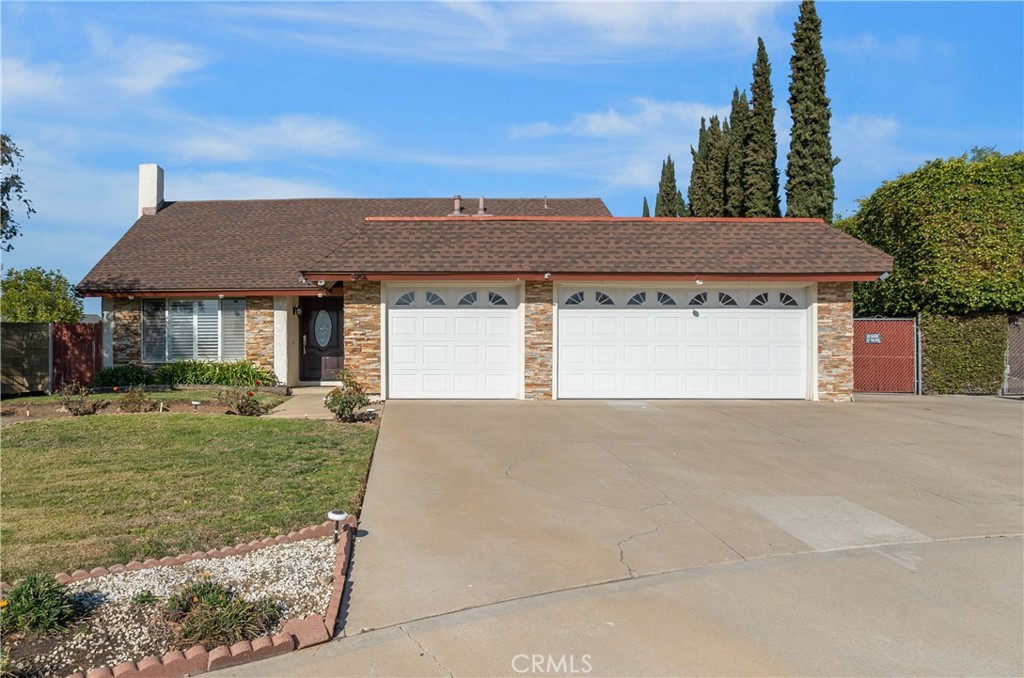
column 193, row 329
column 726, row 299
column 787, row 299
column 406, row 299
column 637, row 299
column 434, row 299
column 604, row 300
column 760, row 300
column 468, row 299
column 666, row 299
column 574, row 299
column 496, row 299
column 699, row 299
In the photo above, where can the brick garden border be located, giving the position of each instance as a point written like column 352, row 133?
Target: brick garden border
column 295, row 634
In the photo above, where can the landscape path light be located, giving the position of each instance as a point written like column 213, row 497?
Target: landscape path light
column 337, row 517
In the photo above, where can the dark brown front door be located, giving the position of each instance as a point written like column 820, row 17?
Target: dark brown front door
column 320, row 338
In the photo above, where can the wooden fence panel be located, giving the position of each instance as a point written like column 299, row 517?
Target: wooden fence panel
column 24, row 357
column 77, row 353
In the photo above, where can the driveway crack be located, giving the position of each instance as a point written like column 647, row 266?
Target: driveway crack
column 428, row 653
column 622, row 544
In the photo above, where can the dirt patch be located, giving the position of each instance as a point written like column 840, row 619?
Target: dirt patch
column 13, row 412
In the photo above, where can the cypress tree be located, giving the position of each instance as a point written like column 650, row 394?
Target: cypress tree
column 647, row 210
column 739, row 139
column 707, row 192
column 698, row 170
column 760, row 176
column 680, row 204
column 665, row 203
column 810, row 186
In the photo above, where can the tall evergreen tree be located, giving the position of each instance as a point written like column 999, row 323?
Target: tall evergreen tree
column 698, row 171
column 707, row 191
column 810, row 186
column 665, row 203
column 760, row 176
column 739, row 140
column 680, row 204
column 647, row 209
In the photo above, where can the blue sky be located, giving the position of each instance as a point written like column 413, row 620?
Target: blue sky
column 277, row 100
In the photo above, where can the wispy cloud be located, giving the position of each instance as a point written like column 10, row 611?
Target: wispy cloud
column 24, row 81
column 869, row 46
column 640, row 117
column 512, row 33
column 242, row 186
column 294, row 135
column 141, row 65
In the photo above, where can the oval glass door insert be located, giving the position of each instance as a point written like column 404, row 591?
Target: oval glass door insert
column 322, row 328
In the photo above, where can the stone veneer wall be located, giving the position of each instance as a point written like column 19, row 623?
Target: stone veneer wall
column 127, row 331
column 538, row 334
column 835, row 341
column 259, row 331
column 362, row 327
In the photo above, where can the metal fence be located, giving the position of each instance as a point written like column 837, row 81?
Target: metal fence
column 886, row 355
column 1013, row 381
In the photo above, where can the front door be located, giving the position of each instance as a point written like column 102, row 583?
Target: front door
column 320, row 338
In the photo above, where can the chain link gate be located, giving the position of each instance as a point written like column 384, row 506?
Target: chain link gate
column 886, row 355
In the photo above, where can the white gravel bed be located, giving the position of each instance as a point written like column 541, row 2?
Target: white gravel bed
column 115, row 630
column 299, row 574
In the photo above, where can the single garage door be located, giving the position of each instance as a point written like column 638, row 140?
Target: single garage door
column 681, row 343
column 453, row 342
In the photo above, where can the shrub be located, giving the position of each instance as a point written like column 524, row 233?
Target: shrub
column 209, row 613
column 344, row 400
column 963, row 354
column 75, row 399
column 201, row 372
column 36, row 603
column 144, row 598
column 136, row 400
column 243, row 401
column 123, row 375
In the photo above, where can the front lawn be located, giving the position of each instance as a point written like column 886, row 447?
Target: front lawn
column 96, row 491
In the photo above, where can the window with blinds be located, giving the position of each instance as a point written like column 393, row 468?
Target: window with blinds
column 193, row 329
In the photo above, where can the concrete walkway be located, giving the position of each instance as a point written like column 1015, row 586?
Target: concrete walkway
column 307, row 402
column 681, row 538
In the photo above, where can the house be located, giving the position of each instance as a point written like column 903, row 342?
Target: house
column 439, row 298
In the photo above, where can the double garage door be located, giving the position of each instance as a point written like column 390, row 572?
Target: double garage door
column 625, row 342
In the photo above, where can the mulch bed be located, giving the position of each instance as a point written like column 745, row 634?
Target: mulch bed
column 14, row 412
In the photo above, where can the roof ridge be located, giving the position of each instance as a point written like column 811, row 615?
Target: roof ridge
column 611, row 219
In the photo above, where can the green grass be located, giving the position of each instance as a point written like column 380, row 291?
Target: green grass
column 156, row 396
column 96, row 491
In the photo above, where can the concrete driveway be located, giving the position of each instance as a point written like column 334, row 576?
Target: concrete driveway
column 881, row 537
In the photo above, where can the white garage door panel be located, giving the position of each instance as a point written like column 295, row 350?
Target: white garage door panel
column 452, row 351
column 646, row 352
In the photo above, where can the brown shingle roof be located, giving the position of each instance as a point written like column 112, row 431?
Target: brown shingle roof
column 264, row 244
column 603, row 246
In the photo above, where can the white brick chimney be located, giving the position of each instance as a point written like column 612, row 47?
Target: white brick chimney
column 151, row 188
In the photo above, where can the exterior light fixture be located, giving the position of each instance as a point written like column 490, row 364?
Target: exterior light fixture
column 296, row 310
column 196, row 404
column 220, row 296
column 884, row 276
column 337, row 517
column 131, row 297
column 698, row 281
column 547, row 276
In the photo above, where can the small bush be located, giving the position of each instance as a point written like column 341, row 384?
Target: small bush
column 74, row 399
column 144, row 598
column 37, row 604
column 344, row 400
column 243, row 401
column 124, row 376
column 201, row 372
column 136, row 400
column 209, row 613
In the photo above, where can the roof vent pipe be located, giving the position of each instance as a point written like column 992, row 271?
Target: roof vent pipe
column 458, row 206
column 482, row 210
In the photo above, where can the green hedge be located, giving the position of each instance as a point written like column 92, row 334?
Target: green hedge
column 188, row 373
column 963, row 354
